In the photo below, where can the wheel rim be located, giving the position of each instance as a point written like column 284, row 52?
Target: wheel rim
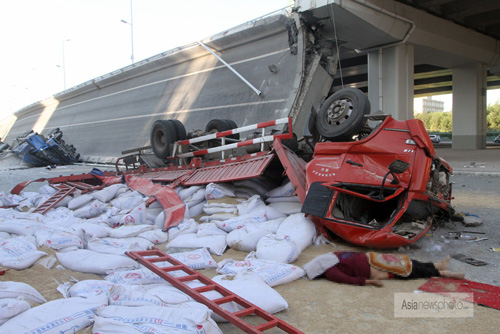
column 339, row 111
column 160, row 138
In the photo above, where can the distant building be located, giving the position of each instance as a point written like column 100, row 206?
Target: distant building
column 427, row 104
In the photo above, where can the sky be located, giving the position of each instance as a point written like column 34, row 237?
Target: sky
column 50, row 44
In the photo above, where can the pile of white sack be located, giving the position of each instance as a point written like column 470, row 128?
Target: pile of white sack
column 91, row 232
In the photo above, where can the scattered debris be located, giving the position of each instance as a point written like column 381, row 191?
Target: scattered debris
column 469, row 260
column 38, row 150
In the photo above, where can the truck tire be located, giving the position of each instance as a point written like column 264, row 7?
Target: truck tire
column 222, row 125
column 180, row 130
column 230, row 124
column 342, row 114
column 163, row 134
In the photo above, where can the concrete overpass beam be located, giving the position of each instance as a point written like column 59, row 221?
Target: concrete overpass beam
column 469, row 107
column 390, row 81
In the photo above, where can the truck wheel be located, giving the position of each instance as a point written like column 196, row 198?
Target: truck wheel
column 180, row 130
column 163, row 134
column 222, row 125
column 232, row 125
column 342, row 114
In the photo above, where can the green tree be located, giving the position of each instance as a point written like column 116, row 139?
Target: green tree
column 436, row 121
column 493, row 116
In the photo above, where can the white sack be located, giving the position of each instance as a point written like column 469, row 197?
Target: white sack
column 57, row 239
column 219, row 190
column 10, row 307
column 207, row 229
column 137, row 276
column 127, row 200
column 159, row 221
column 184, row 227
column 79, row 201
column 155, row 236
column 128, row 231
column 108, row 193
column 89, row 230
column 196, row 259
column 19, row 226
column 216, row 244
column 130, row 295
column 18, row 253
column 24, row 291
column 295, row 199
column 90, row 210
column 211, row 209
column 272, row 272
column 187, row 192
column 299, row 228
column 275, row 248
column 90, row 288
column 111, row 326
column 195, row 208
column 47, row 190
column 287, row 189
column 287, row 208
column 252, row 287
column 189, row 317
column 137, row 216
column 250, row 205
column 87, row 261
column 246, row 238
column 118, row 246
column 58, row 316
column 217, row 216
column 195, row 198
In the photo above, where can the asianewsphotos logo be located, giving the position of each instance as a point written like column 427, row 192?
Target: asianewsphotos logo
column 429, row 305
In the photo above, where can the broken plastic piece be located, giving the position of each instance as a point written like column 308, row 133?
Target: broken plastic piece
column 469, row 260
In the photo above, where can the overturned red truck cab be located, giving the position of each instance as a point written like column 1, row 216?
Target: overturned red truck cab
column 384, row 191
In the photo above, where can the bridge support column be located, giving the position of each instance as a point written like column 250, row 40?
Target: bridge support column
column 469, row 107
column 390, row 81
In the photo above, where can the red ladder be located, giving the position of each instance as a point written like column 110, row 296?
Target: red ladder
column 62, row 192
column 148, row 259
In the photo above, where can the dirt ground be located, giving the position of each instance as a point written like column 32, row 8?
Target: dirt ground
column 315, row 307
column 322, row 307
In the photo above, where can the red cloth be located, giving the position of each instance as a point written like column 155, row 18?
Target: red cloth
column 482, row 294
column 353, row 268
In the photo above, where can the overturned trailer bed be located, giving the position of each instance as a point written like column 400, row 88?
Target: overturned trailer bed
column 384, row 190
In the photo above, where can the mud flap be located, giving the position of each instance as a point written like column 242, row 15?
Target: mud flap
column 295, row 168
column 317, row 200
column 167, row 197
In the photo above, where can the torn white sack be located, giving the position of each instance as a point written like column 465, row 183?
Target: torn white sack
column 272, row 272
column 68, row 315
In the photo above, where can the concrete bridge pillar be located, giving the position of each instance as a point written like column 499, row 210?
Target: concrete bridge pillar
column 390, row 81
column 469, row 107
